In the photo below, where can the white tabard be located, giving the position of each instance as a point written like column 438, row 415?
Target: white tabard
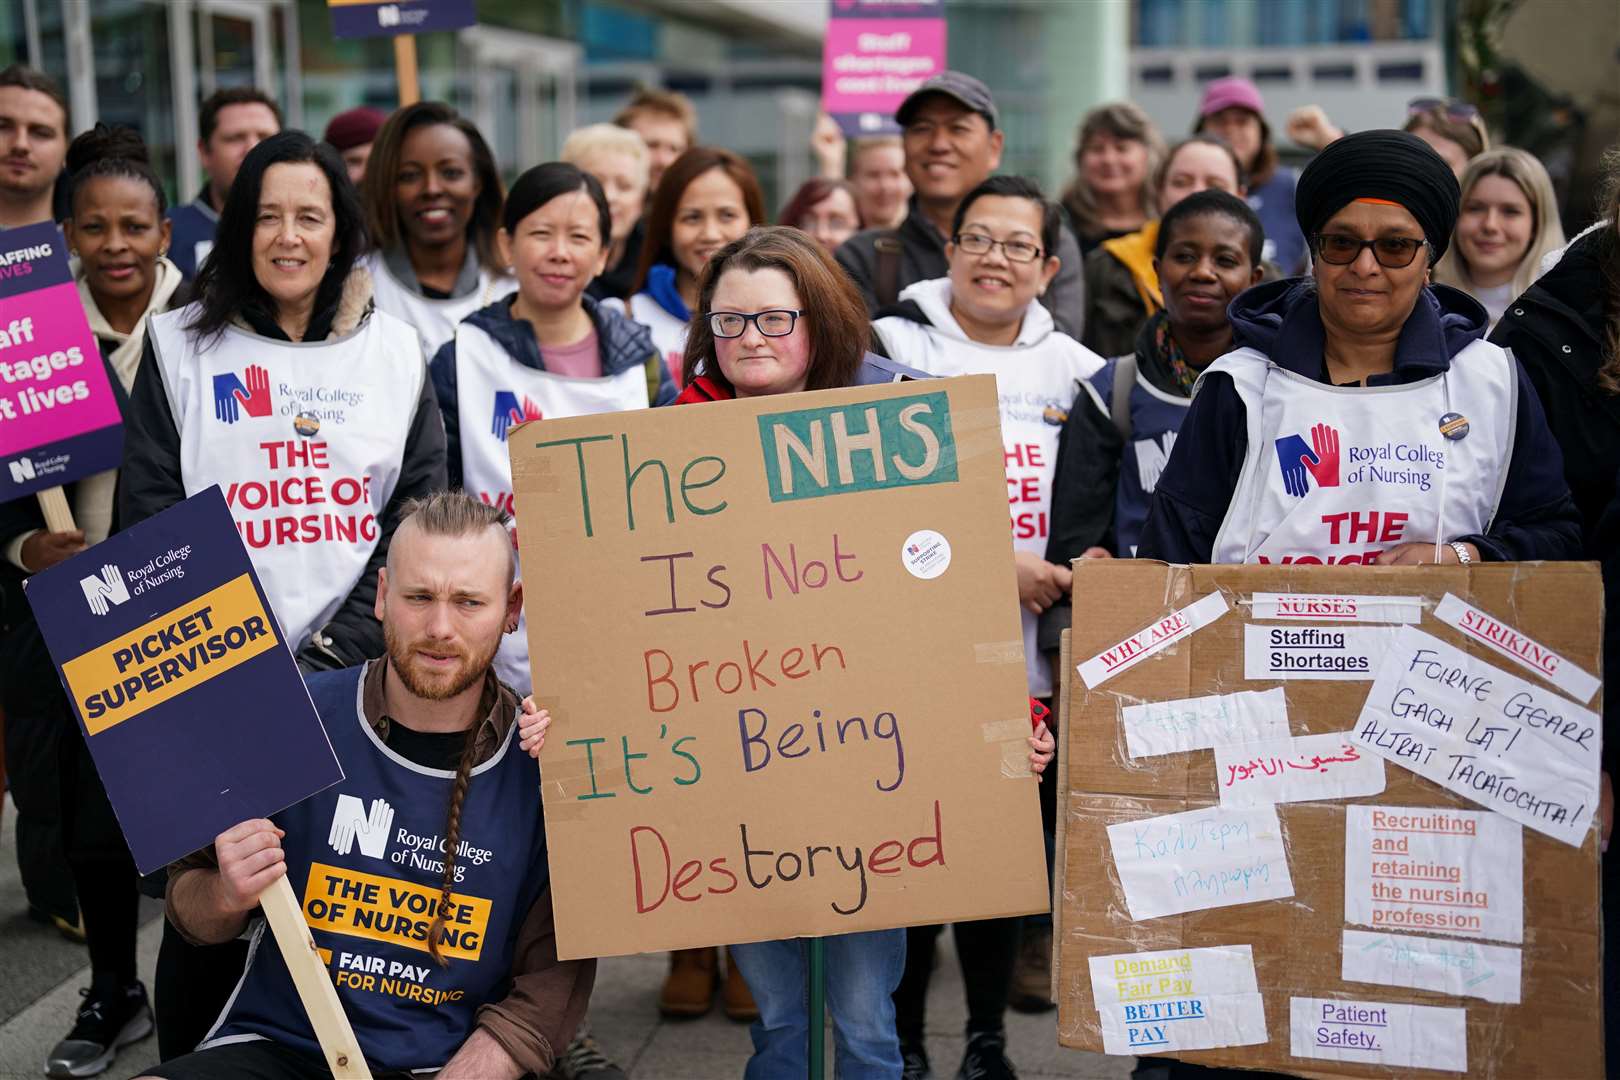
column 1337, row 474
column 435, row 320
column 305, row 439
column 494, row 392
column 668, row 332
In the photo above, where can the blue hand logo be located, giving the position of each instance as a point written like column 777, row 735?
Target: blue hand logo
column 1294, row 458
column 226, row 387
column 509, row 411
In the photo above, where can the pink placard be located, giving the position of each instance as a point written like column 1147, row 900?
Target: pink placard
column 871, row 64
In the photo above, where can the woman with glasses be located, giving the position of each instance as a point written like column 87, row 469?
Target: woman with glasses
column 1363, row 418
column 985, row 317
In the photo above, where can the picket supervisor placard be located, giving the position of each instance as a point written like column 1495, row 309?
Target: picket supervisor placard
column 59, row 420
column 786, row 667
column 1307, row 893
column 187, row 694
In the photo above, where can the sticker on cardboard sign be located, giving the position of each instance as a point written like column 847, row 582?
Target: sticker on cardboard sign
column 1178, row 999
column 1126, row 654
column 1471, row 622
column 1504, row 742
column 1326, row 607
column 1434, row 870
column 1314, row 652
column 1216, row 857
column 926, row 554
column 1296, row 770
column 1173, row 727
column 1379, row 1033
column 1458, row 968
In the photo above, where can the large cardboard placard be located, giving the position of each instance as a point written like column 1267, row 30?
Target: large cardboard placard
column 780, row 643
column 1414, row 981
column 183, row 685
column 59, row 420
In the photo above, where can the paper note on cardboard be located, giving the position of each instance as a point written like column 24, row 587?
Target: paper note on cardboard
column 1178, row 999
column 1434, row 870
column 1200, row 859
column 1313, row 652
column 1126, row 654
column 1324, row 607
column 1379, row 1033
column 1173, row 727
column 1458, row 968
column 1296, row 770
column 1490, row 736
column 1519, row 647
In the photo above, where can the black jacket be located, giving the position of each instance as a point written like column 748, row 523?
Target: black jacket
column 1535, row 519
column 1556, row 329
column 622, row 343
column 151, row 482
column 922, row 258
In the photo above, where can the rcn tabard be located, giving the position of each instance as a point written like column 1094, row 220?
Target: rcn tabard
column 59, row 420
column 185, row 690
column 781, row 643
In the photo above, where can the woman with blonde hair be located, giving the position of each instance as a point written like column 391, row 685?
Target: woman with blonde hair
column 618, row 159
column 1509, row 221
column 1116, row 155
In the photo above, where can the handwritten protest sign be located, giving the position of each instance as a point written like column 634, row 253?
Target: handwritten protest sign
column 1425, row 931
column 59, row 420
column 780, row 643
column 876, row 53
column 187, row 694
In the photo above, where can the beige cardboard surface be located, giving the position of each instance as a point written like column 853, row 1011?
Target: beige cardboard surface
column 1557, row 1029
column 712, row 641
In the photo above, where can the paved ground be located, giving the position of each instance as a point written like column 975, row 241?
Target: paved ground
column 40, row 976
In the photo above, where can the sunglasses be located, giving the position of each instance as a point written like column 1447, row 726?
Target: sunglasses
column 1392, row 252
column 1460, row 111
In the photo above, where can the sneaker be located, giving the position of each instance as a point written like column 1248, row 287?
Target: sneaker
column 106, row 1023
column 1032, row 975
column 585, row 1060
column 986, row 1058
column 914, row 1063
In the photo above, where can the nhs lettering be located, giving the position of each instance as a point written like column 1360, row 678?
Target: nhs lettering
column 896, row 442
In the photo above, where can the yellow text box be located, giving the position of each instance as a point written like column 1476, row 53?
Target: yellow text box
column 357, row 904
column 173, row 653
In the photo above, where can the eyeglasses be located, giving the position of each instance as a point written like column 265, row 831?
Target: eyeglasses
column 1018, row 251
column 1460, row 111
column 778, row 322
column 1392, row 252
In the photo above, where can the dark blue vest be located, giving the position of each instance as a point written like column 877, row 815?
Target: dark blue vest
column 1156, row 416
column 364, row 859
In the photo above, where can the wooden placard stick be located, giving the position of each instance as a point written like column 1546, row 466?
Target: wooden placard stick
column 314, row 985
column 54, row 505
column 410, row 84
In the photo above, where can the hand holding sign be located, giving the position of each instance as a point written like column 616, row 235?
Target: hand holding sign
column 250, row 860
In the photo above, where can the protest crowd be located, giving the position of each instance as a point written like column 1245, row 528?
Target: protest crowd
column 1184, row 304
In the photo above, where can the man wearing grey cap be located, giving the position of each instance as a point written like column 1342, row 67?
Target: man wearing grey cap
column 952, row 142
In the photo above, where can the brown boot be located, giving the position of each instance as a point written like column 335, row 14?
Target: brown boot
column 735, row 995
column 689, row 988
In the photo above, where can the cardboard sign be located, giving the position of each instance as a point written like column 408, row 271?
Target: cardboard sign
column 59, row 420
column 369, row 18
column 780, row 642
column 186, row 692
column 1427, row 933
column 876, row 53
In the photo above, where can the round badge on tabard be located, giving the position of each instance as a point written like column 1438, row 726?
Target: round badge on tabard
column 1454, row 426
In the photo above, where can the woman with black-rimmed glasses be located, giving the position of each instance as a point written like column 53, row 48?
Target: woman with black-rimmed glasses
column 1363, row 417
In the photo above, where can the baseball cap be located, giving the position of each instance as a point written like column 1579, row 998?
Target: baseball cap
column 1229, row 92
column 955, row 85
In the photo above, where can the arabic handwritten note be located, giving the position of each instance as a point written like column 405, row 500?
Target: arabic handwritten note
column 1296, row 770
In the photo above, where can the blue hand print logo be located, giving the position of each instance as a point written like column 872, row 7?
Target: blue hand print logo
column 509, row 411
column 1302, row 463
column 232, row 394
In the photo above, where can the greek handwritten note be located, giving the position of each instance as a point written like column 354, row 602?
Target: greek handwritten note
column 1172, row 727
column 1296, row 770
column 1178, row 999
column 1486, row 734
column 1434, row 870
column 1200, row 859
column 1458, row 968
column 1379, row 1033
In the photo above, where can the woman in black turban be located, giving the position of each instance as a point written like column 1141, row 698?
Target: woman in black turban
column 1362, row 417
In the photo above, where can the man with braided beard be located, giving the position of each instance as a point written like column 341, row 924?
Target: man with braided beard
column 423, row 873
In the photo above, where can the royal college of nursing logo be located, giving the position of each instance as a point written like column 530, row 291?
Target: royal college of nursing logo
column 105, row 590
column 235, row 394
column 509, row 411
column 1302, row 464
column 352, row 825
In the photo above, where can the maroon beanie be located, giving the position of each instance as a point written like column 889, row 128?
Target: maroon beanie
column 354, row 127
